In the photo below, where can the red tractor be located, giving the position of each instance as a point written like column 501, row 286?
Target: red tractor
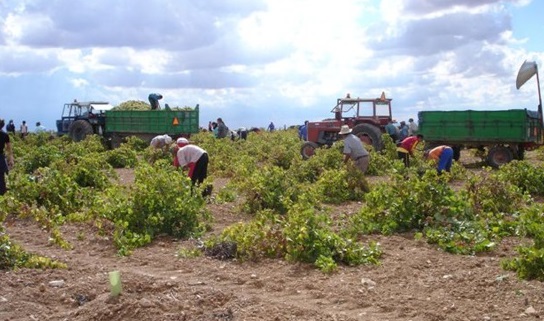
column 366, row 117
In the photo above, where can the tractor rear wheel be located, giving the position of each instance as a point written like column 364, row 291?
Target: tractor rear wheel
column 370, row 135
column 499, row 155
column 308, row 149
column 79, row 130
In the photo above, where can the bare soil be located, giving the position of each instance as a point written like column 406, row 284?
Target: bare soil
column 415, row 281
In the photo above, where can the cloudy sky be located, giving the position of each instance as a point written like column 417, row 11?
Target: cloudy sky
column 255, row 61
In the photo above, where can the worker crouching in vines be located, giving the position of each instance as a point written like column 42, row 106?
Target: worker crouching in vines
column 195, row 159
column 443, row 155
column 407, row 147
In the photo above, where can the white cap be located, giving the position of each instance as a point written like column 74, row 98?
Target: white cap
column 167, row 139
column 182, row 141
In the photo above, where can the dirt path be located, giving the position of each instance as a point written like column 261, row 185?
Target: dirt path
column 415, row 281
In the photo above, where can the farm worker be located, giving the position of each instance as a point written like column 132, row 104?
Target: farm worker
column 403, row 130
column 412, row 127
column 10, row 128
column 443, row 154
column 392, row 130
column 195, row 159
column 242, row 133
column 24, row 130
column 354, row 149
column 271, row 127
column 407, row 147
column 154, row 100
column 40, row 128
column 303, row 131
column 222, row 129
column 5, row 164
column 161, row 141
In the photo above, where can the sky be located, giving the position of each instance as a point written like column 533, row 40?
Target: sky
column 253, row 62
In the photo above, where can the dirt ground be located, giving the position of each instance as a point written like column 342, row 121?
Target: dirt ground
column 415, row 281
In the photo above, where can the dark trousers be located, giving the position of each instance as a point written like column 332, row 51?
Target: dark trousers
column 201, row 172
column 405, row 158
column 3, row 173
column 201, row 169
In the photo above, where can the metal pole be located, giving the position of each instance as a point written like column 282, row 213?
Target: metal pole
column 539, row 96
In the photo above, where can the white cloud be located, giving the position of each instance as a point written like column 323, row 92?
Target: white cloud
column 296, row 56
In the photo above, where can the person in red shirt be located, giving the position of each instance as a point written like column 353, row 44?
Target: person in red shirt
column 407, row 147
column 195, row 159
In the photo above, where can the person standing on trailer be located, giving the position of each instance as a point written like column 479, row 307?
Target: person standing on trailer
column 154, row 101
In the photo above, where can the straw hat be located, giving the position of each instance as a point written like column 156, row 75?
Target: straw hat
column 345, row 130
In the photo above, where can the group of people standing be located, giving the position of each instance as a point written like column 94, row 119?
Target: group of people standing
column 23, row 128
column 399, row 133
column 218, row 128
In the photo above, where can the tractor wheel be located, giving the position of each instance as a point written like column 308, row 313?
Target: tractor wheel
column 79, row 130
column 308, row 149
column 499, row 155
column 370, row 135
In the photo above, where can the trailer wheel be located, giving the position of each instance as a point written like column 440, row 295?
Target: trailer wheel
column 499, row 155
column 456, row 152
column 308, row 149
column 79, row 130
column 370, row 135
column 115, row 141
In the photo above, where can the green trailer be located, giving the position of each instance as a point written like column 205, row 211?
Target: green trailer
column 147, row 124
column 503, row 134
column 80, row 119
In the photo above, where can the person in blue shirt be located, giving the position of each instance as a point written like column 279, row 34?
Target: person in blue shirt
column 271, row 127
column 392, row 130
column 303, row 131
column 403, row 131
column 154, row 101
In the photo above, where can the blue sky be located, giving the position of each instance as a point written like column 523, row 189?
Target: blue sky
column 255, row 61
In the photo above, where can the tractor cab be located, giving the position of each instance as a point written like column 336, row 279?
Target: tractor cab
column 92, row 112
column 366, row 117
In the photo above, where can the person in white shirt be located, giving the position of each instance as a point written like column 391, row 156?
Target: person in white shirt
column 161, row 141
column 412, row 127
column 195, row 159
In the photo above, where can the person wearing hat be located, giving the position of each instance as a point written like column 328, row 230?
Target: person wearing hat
column 354, row 149
column 5, row 163
column 161, row 141
column 195, row 159
column 443, row 155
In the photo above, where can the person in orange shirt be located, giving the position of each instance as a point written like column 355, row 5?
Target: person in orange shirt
column 406, row 148
column 443, row 155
